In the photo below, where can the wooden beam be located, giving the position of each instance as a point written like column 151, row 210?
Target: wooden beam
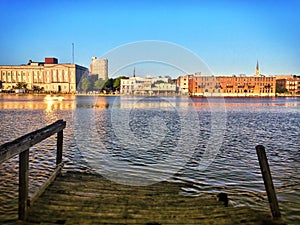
column 43, row 187
column 265, row 170
column 23, row 184
column 10, row 149
column 59, row 153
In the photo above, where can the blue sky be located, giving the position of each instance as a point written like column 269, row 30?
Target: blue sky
column 229, row 36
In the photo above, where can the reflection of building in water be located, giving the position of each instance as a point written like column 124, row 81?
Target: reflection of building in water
column 48, row 103
column 288, row 83
column 147, row 86
column 48, row 76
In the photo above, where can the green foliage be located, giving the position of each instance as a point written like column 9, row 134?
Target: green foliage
column 108, row 85
column 85, row 84
column 280, row 89
column 117, row 82
column 21, row 85
column 99, row 84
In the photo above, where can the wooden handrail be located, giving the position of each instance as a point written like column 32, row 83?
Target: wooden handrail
column 22, row 146
column 10, row 149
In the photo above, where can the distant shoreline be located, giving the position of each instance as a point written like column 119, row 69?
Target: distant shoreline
column 107, row 95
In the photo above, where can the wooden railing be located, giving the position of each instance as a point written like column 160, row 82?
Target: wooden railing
column 22, row 146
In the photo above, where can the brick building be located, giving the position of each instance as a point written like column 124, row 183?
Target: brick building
column 232, row 86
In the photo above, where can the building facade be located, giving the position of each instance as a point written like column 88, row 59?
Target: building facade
column 147, row 86
column 232, row 86
column 289, row 84
column 99, row 67
column 183, row 83
column 48, row 76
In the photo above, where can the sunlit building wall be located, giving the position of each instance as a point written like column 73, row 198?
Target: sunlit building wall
column 147, row 86
column 99, row 67
column 232, row 86
column 182, row 84
column 289, row 82
column 48, row 76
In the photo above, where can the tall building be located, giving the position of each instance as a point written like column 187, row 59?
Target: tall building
column 99, row 67
column 48, row 76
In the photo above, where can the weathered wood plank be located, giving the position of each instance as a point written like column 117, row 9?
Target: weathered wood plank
column 59, row 153
column 266, row 174
column 23, row 184
column 10, row 149
column 91, row 199
column 43, row 187
column 21, row 146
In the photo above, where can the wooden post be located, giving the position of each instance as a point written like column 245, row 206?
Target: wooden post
column 265, row 170
column 59, row 152
column 23, row 184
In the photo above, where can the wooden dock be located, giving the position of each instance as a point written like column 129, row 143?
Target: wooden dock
column 78, row 198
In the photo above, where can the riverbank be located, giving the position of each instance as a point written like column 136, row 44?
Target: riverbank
column 107, row 95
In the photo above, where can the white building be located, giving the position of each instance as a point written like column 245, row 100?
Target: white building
column 147, row 86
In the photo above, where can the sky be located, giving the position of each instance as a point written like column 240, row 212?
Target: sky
column 228, row 36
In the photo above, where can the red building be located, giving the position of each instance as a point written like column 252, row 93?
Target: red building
column 232, row 86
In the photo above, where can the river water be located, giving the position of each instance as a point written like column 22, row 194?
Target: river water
column 209, row 144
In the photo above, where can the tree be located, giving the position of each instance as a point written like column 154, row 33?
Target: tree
column 85, row 84
column 108, row 86
column 21, row 85
column 99, row 84
column 117, row 82
column 280, row 89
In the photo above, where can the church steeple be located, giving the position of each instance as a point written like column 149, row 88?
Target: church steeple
column 257, row 72
column 134, row 72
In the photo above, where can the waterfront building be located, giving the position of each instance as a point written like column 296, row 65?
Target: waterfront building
column 232, row 86
column 99, row 67
column 147, row 86
column 182, row 84
column 47, row 76
column 288, row 83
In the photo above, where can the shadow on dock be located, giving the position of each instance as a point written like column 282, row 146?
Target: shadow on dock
column 80, row 198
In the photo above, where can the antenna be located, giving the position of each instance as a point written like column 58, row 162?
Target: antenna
column 72, row 53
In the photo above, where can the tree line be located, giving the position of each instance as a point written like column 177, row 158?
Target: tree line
column 106, row 86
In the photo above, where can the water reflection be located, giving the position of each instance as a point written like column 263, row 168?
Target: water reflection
column 30, row 102
column 94, row 102
column 273, row 122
